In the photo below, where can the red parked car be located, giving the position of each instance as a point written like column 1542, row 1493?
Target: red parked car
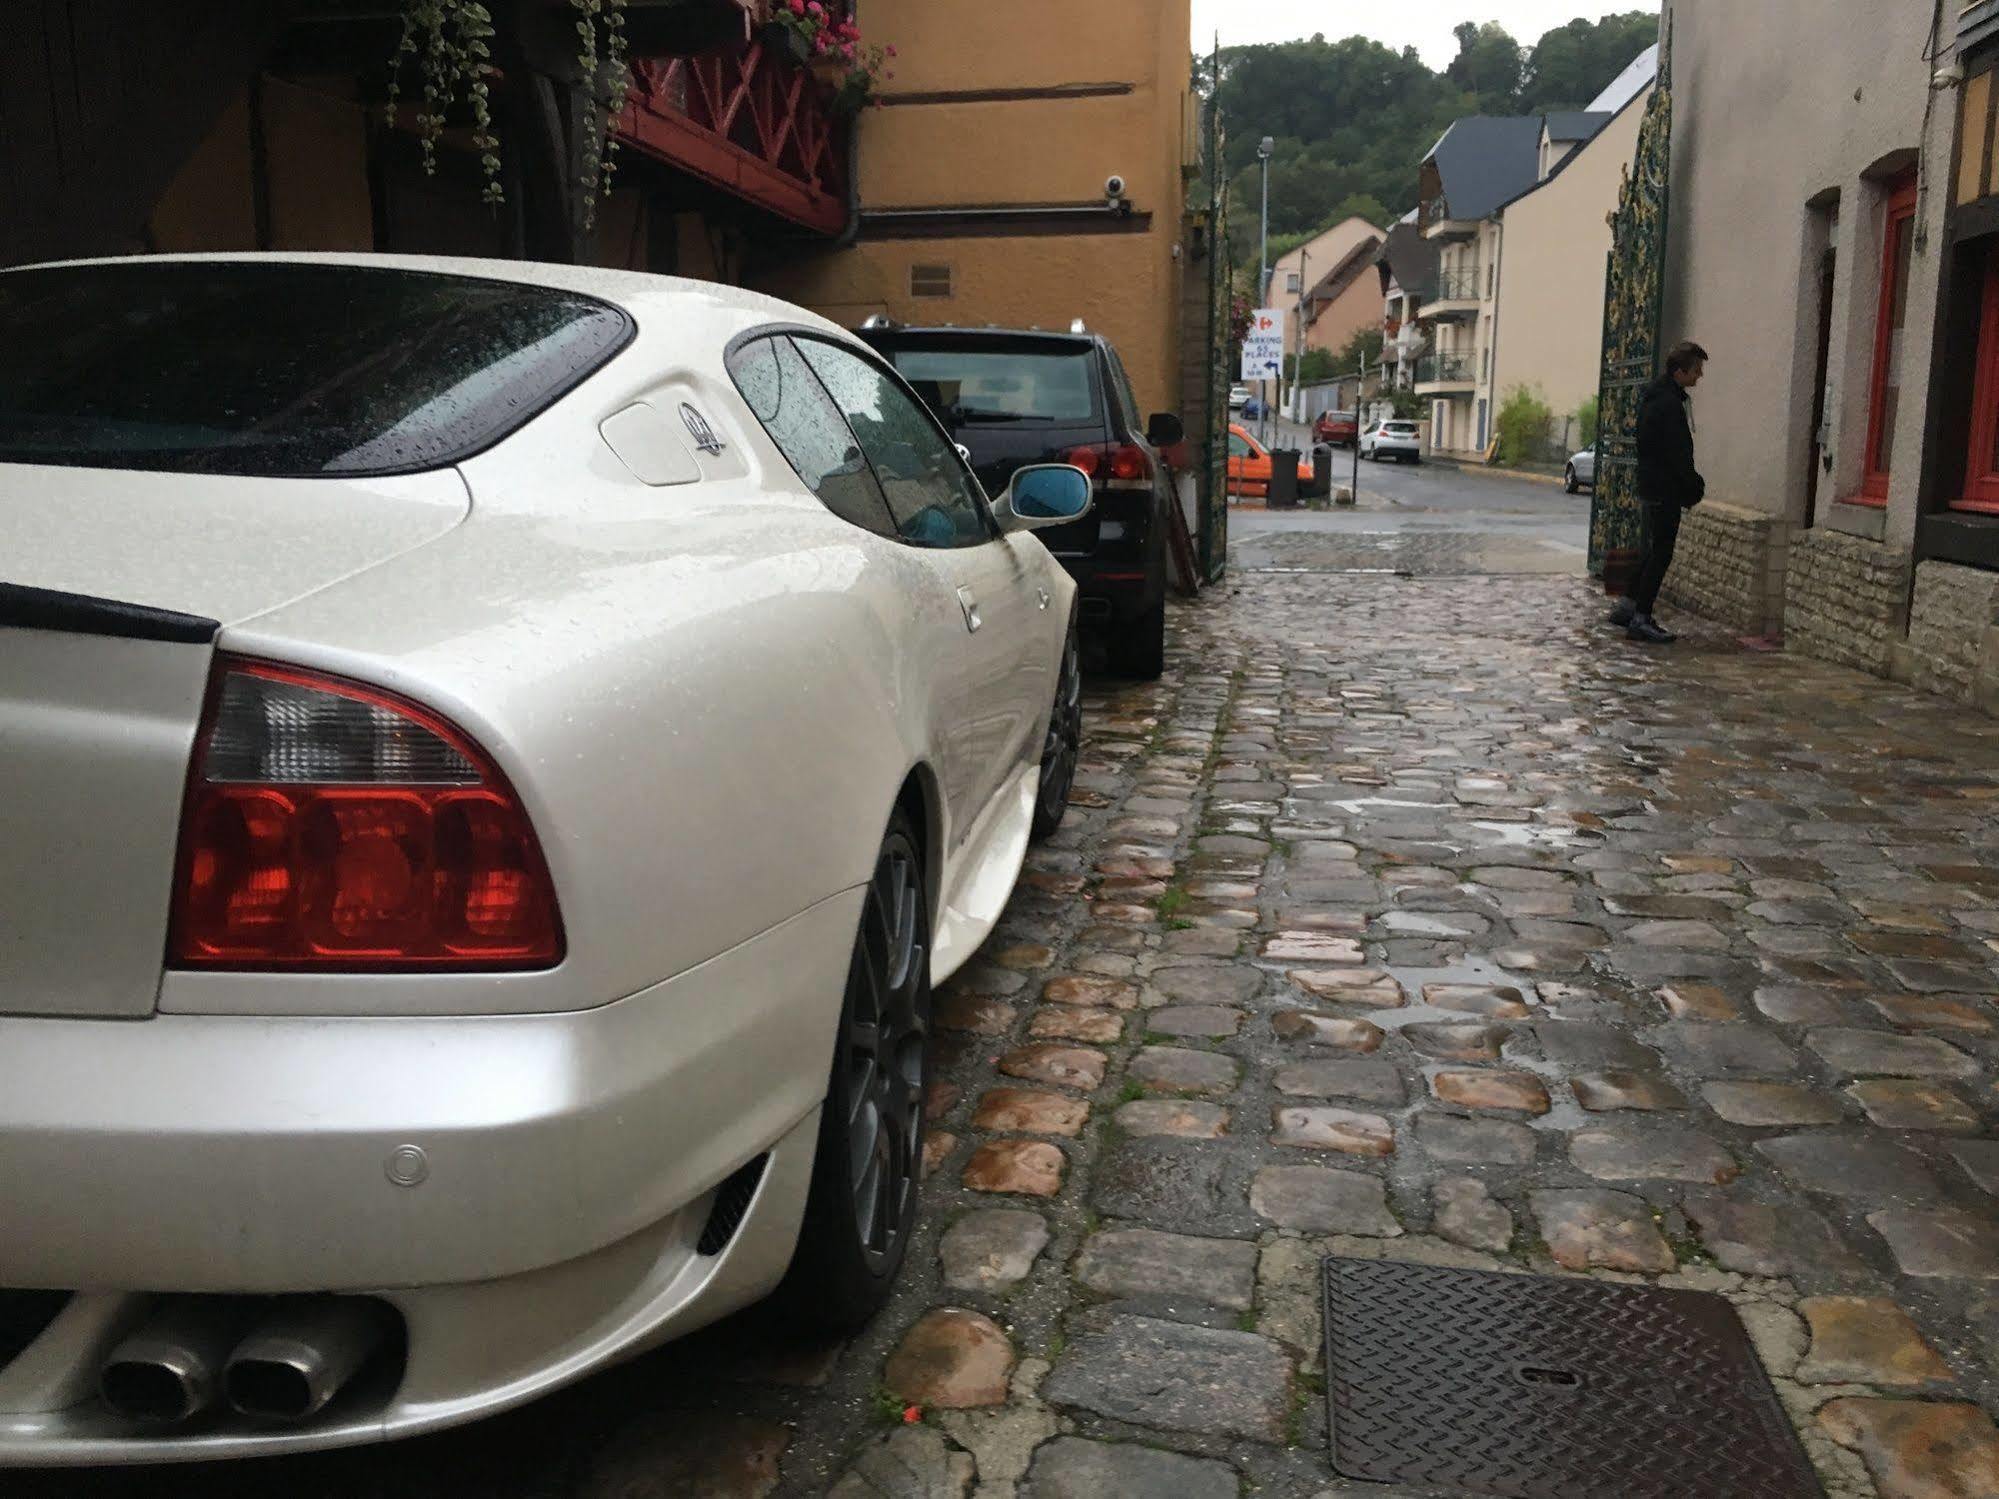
column 1340, row 428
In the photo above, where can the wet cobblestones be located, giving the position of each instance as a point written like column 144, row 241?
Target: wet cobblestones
column 1413, row 919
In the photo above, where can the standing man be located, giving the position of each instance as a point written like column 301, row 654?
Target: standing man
column 1668, row 483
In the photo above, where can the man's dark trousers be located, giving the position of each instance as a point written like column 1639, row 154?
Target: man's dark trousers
column 1662, row 534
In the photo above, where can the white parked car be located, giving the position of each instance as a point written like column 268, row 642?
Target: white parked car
column 497, row 757
column 1580, row 473
column 1399, row 440
column 1238, row 397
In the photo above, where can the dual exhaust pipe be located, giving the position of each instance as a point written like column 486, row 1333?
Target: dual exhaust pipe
column 286, row 1366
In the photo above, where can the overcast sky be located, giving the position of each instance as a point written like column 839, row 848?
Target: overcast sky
column 1422, row 24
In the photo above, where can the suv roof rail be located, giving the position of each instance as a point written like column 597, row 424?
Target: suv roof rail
column 877, row 320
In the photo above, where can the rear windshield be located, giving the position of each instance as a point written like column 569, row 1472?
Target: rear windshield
column 1400, row 429
column 281, row 370
column 966, row 386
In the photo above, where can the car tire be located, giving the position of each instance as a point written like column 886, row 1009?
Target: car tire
column 1569, row 479
column 1063, row 745
column 1138, row 649
column 860, row 1212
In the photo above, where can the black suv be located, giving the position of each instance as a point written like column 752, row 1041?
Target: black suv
column 1013, row 398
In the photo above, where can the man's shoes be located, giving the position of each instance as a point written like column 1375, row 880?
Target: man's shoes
column 1644, row 627
column 1623, row 612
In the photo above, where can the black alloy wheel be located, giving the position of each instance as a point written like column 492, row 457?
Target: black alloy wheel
column 1064, row 743
column 862, row 1207
column 1569, row 478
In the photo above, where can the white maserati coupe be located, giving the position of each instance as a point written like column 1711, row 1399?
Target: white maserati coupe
column 495, row 758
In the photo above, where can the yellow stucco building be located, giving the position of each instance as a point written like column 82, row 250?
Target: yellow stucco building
column 986, row 177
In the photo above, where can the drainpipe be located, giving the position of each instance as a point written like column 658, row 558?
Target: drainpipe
column 852, row 232
column 1498, row 286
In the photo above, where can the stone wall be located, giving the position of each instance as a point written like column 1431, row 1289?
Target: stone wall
column 1846, row 599
column 1954, row 633
column 1729, row 567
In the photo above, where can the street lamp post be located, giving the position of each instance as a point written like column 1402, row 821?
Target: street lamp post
column 1264, row 150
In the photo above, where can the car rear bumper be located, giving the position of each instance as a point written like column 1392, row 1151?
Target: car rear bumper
column 1113, row 592
column 569, row 1165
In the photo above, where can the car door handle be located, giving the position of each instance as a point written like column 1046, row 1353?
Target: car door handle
column 971, row 607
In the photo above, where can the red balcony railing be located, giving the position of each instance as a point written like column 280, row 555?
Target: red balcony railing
column 749, row 122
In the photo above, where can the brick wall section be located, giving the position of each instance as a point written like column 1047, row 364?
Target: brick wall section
column 1954, row 633
column 1846, row 600
column 1729, row 567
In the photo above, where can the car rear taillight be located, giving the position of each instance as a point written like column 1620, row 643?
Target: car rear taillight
column 1120, row 464
column 1130, row 465
column 331, row 825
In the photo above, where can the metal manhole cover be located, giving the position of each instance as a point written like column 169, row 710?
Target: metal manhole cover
column 1536, row 1387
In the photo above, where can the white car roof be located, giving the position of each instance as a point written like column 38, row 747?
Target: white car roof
column 726, row 310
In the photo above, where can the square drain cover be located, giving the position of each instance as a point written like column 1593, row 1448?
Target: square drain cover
column 1538, row 1387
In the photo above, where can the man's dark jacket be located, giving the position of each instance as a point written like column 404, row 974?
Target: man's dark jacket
column 1666, row 472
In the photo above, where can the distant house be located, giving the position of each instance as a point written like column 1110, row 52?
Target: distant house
column 1406, row 267
column 1557, row 235
column 1300, row 284
column 1477, row 167
column 1516, row 208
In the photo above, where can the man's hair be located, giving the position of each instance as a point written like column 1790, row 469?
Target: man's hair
column 1685, row 356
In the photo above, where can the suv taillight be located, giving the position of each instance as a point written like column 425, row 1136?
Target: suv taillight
column 1120, row 464
column 331, row 825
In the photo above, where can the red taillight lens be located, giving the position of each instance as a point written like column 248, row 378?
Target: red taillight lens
column 1086, row 459
column 1129, row 463
column 331, row 825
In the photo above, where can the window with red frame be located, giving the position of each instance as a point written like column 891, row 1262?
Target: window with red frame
column 1885, row 389
column 1981, row 464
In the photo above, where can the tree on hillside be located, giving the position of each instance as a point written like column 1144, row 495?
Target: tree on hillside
column 1352, row 118
column 1488, row 67
column 1572, row 64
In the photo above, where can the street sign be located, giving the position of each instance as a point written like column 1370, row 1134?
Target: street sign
column 1254, row 370
column 1264, row 344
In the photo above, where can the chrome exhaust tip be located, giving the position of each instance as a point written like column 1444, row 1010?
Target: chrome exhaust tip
column 169, row 1371
column 302, row 1355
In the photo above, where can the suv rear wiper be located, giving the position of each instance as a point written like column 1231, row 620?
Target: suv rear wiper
column 960, row 414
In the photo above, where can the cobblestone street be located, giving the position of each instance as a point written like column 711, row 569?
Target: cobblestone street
column 1411, row 918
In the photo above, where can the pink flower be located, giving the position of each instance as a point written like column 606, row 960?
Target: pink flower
column 891, row 51
column 813, row 7
column 798, row 7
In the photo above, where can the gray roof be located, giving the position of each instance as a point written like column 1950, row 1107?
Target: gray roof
column 1410, row 258
column 1577, row 124
column 1485, row 161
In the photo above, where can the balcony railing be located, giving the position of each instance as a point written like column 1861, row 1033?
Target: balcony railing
column 752, row 124
column 1457, row 286
column 1444, row 369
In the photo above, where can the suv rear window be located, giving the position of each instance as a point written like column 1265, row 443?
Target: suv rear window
column 282, row 369
column 1399, row 429
column 969, row 386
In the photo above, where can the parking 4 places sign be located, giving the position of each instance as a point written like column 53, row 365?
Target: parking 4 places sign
column 1263, row 346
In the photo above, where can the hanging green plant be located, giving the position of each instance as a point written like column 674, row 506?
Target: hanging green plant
column 450, row 42
column 603, row 59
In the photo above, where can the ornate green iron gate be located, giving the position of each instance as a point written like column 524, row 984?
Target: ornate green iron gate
column 1634, row 288
column 1213, row 539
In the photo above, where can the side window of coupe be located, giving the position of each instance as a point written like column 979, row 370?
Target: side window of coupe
column 933, row 497
column 810, row 432
column 1238, row 446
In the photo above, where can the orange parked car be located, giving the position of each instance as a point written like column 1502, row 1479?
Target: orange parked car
column 1249, row 468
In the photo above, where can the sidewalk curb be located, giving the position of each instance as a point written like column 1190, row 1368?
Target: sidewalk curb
column 1532, row 476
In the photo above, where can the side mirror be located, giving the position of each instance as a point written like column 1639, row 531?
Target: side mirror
column 1043, row 495
column 1164, row 429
